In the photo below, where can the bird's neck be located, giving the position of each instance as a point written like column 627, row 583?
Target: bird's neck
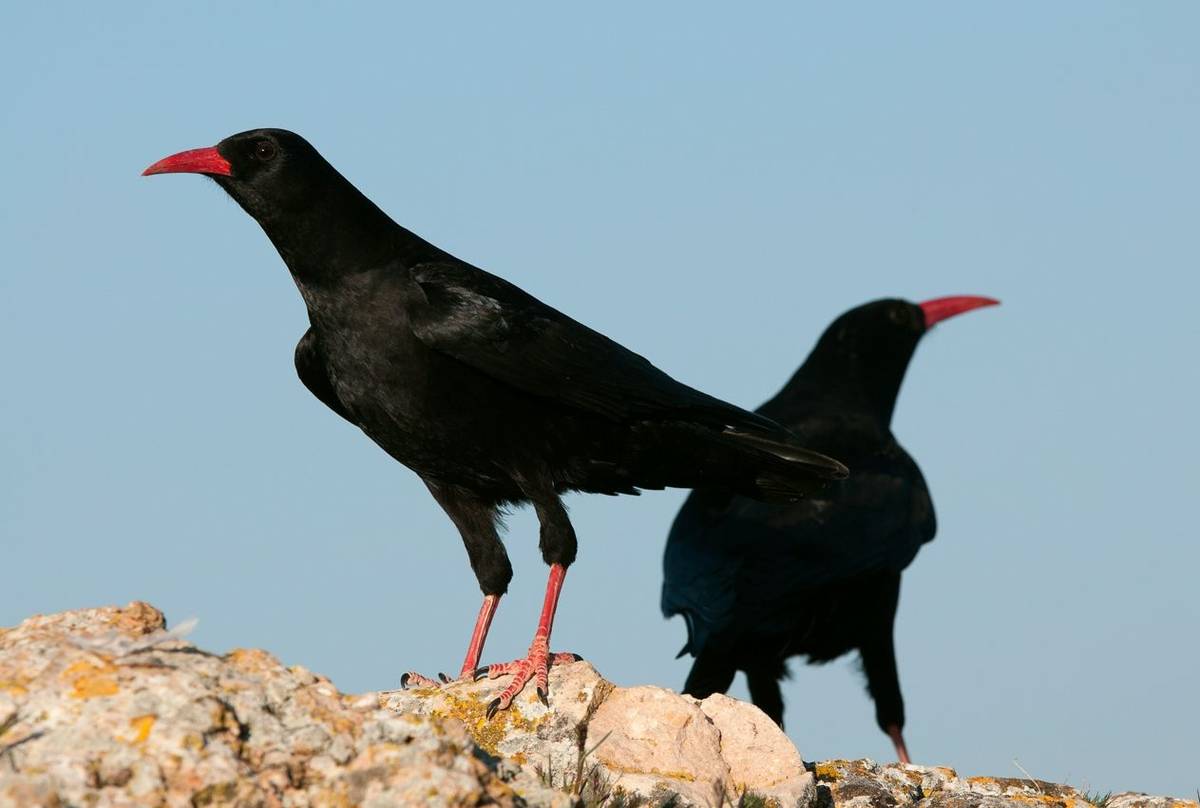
column 334, row 235
column 817, row 389
column 334, row 238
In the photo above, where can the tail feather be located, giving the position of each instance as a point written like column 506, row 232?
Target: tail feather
column 761, row 464
column 786, row 471
column 812, row 462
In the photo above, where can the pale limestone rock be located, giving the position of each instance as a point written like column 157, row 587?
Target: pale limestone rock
column 528, row 732
column 102, row 707
column 657, row 743
column 646, row 742
column 1130, row 799
column 105, row 708
column 761, row 758
column 862, row 783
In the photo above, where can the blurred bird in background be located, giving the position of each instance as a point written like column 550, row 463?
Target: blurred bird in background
column 758, row 583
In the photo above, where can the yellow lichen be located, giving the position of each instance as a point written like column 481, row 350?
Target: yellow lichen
column 472, row 711
column 14, row 687
column 142, row 725
column 685, row 776
column 1019, row 791
column 330, row 798
column 90, row 680
column 253, row 660
column 827, row 771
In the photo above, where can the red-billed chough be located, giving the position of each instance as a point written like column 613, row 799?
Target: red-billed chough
column 492, row 397
column 758, row 583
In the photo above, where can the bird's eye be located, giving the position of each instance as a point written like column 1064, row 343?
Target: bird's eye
column 898, row 315
column 265, row 150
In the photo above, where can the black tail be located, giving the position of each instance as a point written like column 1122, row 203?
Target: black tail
column 765, row 464
column 784, row 471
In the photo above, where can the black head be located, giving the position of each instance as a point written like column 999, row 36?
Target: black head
column 268, row 171
column 864, row 353
column 870, row 338
column 321, row 224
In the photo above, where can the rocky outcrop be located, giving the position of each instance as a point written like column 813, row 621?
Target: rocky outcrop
column 865, row 783
column 644, row 742
column 106, row 707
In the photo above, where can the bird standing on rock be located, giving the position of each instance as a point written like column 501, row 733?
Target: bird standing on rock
column 492, row 397
column 758, row 583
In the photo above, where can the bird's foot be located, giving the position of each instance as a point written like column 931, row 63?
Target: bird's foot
column 536, row 666
column 416, row 680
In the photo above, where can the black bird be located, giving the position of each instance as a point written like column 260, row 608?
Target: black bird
column 492, row 397
column 758, row 583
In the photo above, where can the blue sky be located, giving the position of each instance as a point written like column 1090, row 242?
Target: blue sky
column 708, row 185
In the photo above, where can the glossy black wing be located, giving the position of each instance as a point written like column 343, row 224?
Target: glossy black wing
column 495, row 327
column 734, row 564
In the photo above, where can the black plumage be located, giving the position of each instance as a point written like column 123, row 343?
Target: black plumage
column 489, row 395
column 758, row 583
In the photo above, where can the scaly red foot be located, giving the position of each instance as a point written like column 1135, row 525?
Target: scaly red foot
column 467, row 674
column 535, row 666
column 414, row 679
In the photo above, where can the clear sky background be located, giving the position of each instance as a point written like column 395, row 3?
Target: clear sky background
column 709, row 185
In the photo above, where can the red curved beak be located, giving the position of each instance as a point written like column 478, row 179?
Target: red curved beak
column 192, row 161
column 943, row 308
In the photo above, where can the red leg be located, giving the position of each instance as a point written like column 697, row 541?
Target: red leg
column 478, row 637
column 893, row 732
column 536, row 664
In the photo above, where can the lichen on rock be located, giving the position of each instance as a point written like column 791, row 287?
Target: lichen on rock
column 108, row 707
column 102, row 707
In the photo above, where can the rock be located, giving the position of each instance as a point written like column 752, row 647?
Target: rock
column 529, row 734
column 862, row 783
column 103, row 707
column 107, row 707
column 1130, row 799
column 643, row 742
column 654, row 742
column 761, row 758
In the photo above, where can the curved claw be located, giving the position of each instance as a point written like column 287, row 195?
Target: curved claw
column 445, row 679
column 492, row 708
column 533, row 668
